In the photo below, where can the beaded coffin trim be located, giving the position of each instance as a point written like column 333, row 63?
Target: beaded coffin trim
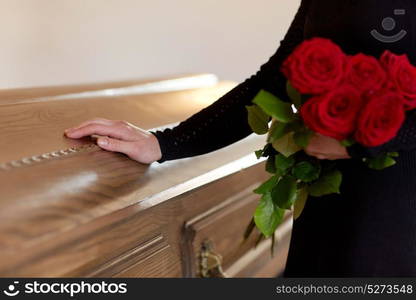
column 29, row 161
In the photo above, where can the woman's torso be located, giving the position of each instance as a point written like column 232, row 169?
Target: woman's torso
column 369, row 229
column 367, row 26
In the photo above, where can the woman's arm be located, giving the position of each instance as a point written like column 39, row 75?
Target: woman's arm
column 218, row 125
column 225, row 121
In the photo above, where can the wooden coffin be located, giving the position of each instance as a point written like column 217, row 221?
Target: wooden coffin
column 70, row 209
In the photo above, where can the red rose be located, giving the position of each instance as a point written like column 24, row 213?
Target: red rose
column 333, row 114
column 381, row 118
column 402, row 75
column 316, row 66
column 365, row 73
column 389, row 59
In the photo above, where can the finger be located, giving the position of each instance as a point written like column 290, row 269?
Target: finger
column 115, row 145
column 92, row 121
column 118, row 132
column 318, row 155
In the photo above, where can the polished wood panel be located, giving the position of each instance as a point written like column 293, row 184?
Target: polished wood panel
column 259, row 261
column 153, row 258
column 231, row 217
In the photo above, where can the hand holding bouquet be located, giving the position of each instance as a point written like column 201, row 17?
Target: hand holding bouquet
column 353, row 99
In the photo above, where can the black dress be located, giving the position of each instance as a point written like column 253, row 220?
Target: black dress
column 370, row 228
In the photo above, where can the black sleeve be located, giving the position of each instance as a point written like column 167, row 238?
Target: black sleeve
column 225, row 121
column 405, row 140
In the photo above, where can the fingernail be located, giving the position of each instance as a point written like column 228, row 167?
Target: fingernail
column 102, row 142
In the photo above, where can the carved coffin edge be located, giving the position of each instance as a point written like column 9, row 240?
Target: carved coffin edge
column 37, row 159
column 58, row 154
column 161, row 86
column 235, row 166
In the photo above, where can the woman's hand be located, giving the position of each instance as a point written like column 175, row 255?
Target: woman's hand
column 323, row 147
column 120, row 136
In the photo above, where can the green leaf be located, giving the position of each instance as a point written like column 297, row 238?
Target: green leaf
column 265, row 152
column 303, row 137
column 294, row 95
column 284, row 163
column 278, row 130
column 274, row 107
column 267, row 215
column 393, row 154
column 348, row 142
column 286, row 145
column 259, row 153
column 258, row 119
column 266, row 186
column 306, row 171
column 381, row 162
column 270, row 165
column 284, row 193
column 328, row 183
column 301, row 197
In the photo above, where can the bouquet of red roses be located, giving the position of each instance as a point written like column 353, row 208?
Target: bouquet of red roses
column 353, row 99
